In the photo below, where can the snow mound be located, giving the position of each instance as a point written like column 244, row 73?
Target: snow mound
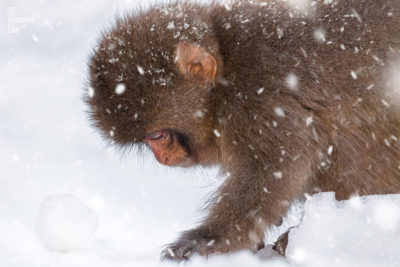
column 65, row 224
column 363, row 231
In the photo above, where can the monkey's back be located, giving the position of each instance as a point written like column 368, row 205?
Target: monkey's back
column 325, row 77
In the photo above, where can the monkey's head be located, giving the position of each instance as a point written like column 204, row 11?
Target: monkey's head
column 148, row 86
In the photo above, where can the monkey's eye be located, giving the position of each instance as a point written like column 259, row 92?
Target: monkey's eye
column 156, row 135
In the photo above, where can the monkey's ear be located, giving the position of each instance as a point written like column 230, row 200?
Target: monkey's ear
column 194, row 62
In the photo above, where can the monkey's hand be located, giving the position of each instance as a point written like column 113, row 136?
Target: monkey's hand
column 197, row 241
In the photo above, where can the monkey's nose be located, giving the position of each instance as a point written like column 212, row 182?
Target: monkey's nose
column 165, row 161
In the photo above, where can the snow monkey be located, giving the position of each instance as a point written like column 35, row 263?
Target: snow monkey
column 286, row 101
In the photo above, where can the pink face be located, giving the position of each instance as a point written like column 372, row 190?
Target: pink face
column 167, row 149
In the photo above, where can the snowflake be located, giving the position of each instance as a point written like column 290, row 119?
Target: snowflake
column 120, row 89
column 279, row 112
column 292, row 82
column 319, row 35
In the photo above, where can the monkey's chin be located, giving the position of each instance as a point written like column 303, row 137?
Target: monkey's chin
column 187, row 162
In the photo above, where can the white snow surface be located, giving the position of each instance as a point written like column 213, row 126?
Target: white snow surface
column 359, row 232
column 60, row 183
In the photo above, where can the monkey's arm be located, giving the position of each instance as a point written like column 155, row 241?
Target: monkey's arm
column 250, row 201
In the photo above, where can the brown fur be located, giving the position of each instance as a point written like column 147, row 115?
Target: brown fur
column 331, row 133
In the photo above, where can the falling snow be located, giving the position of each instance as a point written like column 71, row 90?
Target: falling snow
column 120, row 89
column 330, row 150
column 63, row 191
column 171, row 25
column 319, row 35
column 386, row 104
column 279, row 112
column 278, row 175
column 393, row 81
column 113, row 60
column 369, row 87
column 35, row 38
column 199, row 114
column 292, row 82
column 304, row 7
column 279, row 32
column 309, row 120
column 353, row 74
column 90, row 92
column 140, row 70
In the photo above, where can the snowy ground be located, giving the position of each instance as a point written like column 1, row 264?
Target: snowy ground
column 120, row 210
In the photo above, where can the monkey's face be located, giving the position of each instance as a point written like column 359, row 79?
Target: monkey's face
column 170, row 148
